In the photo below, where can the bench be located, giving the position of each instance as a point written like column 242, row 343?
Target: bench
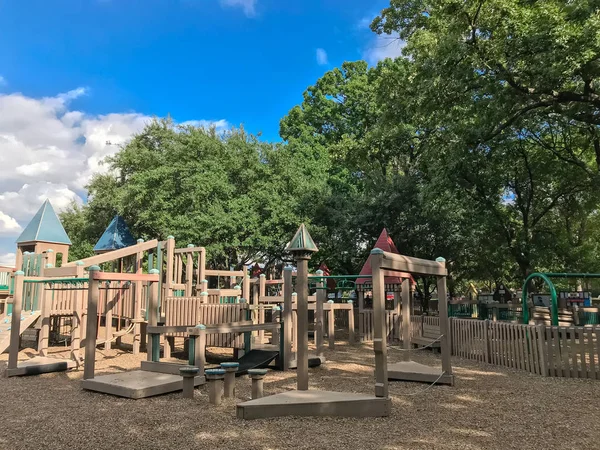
column 429, row 333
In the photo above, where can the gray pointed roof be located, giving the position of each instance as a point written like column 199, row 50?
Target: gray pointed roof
column 302, row 241
column 44, row 227
column 116, row 236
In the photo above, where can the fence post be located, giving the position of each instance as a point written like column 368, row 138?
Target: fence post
column 486, row 341
column 541, row 331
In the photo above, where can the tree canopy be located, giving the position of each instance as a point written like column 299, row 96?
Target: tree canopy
column 480, row 144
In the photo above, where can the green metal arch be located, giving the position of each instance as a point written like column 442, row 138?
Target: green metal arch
column 554, row 308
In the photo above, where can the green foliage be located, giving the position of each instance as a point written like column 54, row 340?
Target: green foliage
column 238, row 197
column 481, row 145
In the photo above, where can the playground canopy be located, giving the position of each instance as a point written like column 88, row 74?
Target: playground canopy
column 385, row 243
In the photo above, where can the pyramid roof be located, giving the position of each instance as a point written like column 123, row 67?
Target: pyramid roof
column 45, row 227
column 385, row 243
column 116, row 236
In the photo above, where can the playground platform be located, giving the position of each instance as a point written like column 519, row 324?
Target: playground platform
column 137, row 383
column 414, row 371
column 315, row 403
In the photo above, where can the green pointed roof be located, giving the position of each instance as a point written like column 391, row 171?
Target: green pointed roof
column 302, row 241
column 45, row 227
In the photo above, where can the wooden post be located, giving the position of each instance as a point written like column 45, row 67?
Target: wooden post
column 302, row 329
column 246, row 285
column 153, row 346
column 202, row 269
column 262, row 292
column 215, row 385
column 379, row 329
column 92, row 323
column 287, row 317
column 77, row 328
column 361, row 307
column 331, row 325
column 230, row 369
column 406, row 321
column 189, row 272
column 189, row 374
column 108, row 316
column 321, row 294
column 137, row 303
column 351, row 337
column 15, row 324
column 170, row 264
column 486, row 340
column 46, row 309
column 444, row 328
column 200, row 349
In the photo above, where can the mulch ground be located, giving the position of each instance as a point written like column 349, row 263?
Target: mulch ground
column 488, row 408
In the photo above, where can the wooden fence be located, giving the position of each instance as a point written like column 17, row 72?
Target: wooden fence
column 556, row 351
column 393, row 323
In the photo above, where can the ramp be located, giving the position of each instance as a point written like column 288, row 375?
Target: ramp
column 28, row 318
column 255, row 359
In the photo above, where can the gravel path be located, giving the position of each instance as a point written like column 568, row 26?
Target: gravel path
column 489, row 408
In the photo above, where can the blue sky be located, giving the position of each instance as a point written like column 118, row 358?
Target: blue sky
column 77, row 78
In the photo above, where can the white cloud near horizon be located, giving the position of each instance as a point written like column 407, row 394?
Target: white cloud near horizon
column 321, row 57
column 7, row 259
column 248, row 6
column 49, row 150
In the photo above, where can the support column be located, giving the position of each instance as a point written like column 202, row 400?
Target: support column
column 287, row 317
column 77, row 328
column 321, row 295
column 444, row 325
column 302, row 330
column 15, row 324
column 262, row 292
column 92, row 323
column 137, row 303
column 46, row 308
column 406, row 319
column 189, row 272
column 379, row 329
column 153, row 346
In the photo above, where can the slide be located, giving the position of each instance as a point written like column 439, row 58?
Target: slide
column 255, row 359
column 27, row 319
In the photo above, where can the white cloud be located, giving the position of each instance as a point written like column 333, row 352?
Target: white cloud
column 8, row 259
column 383, row 46
column 321, row 57
column 49, row 151
column 220, row 125
column 249, row 6
column 2, row 80
column 8, row 225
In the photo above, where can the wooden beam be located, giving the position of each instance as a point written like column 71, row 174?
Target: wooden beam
column 224, row 273
column 115, row 254
column 189, row 250
column 401, row 263
column 234, row 327
column 109, row 276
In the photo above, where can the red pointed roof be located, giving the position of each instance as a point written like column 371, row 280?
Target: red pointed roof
column 385, row 243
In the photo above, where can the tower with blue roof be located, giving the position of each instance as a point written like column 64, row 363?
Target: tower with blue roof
column 115, row 237
column 43, row 233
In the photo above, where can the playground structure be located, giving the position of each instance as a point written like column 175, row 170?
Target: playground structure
column 302, row 401
column 383, row 263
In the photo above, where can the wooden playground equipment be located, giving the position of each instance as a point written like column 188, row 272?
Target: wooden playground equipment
column 383, row 263
column 302, row 401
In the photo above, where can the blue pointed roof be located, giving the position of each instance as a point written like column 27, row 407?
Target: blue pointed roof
column 45, row 227
column 116, row 236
